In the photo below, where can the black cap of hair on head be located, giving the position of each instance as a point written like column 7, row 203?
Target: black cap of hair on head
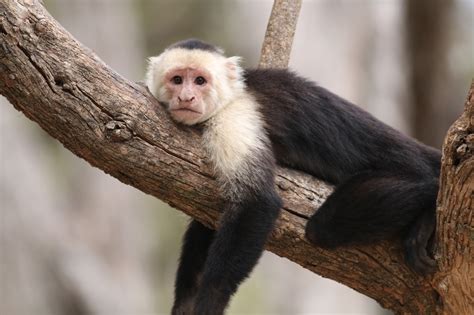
column 194, row 43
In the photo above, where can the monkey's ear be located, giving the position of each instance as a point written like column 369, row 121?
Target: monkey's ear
column 152, row 61
column 150, row 73
column 233, row 68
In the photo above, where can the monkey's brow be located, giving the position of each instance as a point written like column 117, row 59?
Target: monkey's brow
column 184, row 68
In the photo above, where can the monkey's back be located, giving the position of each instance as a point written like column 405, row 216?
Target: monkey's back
column 316, row 131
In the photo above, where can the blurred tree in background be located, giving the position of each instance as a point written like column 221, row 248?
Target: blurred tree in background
column 432, row 35
column 60, row 255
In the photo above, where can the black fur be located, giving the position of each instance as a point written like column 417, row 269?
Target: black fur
column 213, row 264
column 193, row 43
column 238, row 245
column 196, row 242
column 386, row 183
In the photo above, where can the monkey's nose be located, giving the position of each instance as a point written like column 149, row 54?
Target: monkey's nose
column 187, row 100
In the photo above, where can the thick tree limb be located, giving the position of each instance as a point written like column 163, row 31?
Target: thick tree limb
column 117, row 126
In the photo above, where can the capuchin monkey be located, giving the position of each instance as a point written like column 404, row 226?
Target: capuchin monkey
column 385, row 183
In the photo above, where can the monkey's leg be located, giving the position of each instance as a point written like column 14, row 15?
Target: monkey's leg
column 196, row 242
column 371, row 206
column 238, row 245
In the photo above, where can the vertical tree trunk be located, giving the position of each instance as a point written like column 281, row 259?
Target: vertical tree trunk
column 455, row 227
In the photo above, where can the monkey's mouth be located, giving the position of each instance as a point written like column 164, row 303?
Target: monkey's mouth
column 185, row 115
column 185, row 110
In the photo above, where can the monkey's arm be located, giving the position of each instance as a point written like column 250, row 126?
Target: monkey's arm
column 112, row 123
column 237, row 246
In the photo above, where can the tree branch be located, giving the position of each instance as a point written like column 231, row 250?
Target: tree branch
column 117, row 126
column 278, row 39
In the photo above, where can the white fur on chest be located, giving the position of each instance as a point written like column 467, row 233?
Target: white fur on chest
column 235, row 140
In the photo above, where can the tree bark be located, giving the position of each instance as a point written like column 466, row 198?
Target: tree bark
column 117, row 126
column 278, row 39
column 455, row 227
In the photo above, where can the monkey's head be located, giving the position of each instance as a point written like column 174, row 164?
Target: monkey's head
column 194, row 80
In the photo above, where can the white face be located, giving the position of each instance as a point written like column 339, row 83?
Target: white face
column 194, row 84
column 188, row 92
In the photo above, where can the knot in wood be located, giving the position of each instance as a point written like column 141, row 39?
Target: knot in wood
column 118, row 131
column 465, row 149
column 283, row 185
column 462, row 150
column 60, row 79
column 40, row 26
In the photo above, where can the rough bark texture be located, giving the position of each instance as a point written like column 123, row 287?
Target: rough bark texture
column 117, row 126
column 281, row 28
column 455, row 229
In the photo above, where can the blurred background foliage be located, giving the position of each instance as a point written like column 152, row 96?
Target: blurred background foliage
column 76, row 241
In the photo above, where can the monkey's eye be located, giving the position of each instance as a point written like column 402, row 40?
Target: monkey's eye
column 200, row 81
column 177, row 79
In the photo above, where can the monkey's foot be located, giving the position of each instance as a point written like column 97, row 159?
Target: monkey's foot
column 418, row 245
